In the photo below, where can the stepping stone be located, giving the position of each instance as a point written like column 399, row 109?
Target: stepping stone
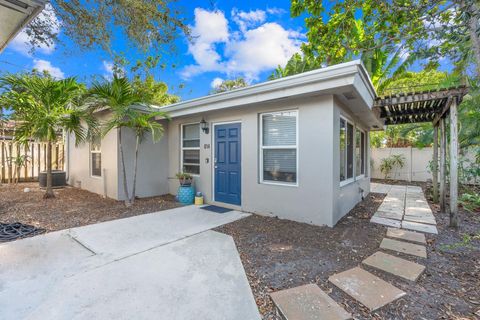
column 397, row 266
column 406, row 235
column 421, row 219
column 307, row 302
column 418, row 211
column 404, row 247
column 386, row 222
column 389, row 215
column 368, row 289
column 419, row 227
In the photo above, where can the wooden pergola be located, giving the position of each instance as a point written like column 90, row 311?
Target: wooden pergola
column 436, row 107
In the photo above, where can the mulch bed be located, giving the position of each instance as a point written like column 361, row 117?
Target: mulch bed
column 280, row 254
column 70, row 208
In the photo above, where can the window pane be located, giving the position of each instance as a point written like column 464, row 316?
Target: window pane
column 280, row 129
column 358, row 152
column 342, row 149
column 280, row 165
column 96, row 164
column 349, row 150
column 192, row 169
column 191, row 136
column 191, row 156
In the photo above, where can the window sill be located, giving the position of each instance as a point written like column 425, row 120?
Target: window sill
column 346, row 182
column 284, row 184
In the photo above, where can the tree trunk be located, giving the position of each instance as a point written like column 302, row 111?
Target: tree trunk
column 137, row 144
column 453, row 165
column 125, row 186
column 49, row 193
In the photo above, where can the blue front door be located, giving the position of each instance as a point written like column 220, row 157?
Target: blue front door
column 227, row 163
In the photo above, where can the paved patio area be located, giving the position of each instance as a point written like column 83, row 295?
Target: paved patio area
column 164, row 265
column 404, row 207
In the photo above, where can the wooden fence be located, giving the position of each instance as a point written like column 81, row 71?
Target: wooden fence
column 35, row 160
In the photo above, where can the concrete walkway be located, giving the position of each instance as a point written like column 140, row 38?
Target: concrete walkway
column 404, row 207
column 164, row 265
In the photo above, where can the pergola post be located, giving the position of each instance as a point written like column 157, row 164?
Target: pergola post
column 435, row 163
column 453, row 164
column 443, row 155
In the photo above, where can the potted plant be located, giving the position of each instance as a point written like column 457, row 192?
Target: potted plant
column 186, row 192
column 185, row 179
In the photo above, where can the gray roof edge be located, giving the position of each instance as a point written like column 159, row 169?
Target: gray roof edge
column 318, row 75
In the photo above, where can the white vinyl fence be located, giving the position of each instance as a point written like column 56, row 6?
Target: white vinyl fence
column 416, row 163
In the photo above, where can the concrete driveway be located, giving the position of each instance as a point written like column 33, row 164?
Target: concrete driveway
column 164, row 265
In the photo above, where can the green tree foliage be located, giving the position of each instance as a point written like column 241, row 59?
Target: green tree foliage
column 383, row 65
column 43, row 107
column 146, row 24
column 130, row 110
column 228, row 85
column 154, row 92
column 296, row 64
column 430, row 28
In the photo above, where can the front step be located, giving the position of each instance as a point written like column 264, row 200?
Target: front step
column 307, row 302
column 397, row 266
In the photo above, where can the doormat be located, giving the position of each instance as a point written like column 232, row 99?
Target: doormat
column 216, row 209
column 17, row 230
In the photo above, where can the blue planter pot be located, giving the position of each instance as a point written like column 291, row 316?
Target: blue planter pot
column 186, row 194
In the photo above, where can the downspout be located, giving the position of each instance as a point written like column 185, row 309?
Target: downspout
column 66, row 138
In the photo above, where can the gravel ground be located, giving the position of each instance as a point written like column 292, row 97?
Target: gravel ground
column 71, row 208
column 279, row 254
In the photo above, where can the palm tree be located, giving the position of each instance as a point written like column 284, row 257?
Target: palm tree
column 228, row 85
column 44, row 106
column 385, row 65
column 130, row 109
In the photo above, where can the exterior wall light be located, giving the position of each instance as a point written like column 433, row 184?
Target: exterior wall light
column 204, row 126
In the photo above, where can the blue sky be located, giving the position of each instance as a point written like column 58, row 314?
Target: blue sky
column 232, row 38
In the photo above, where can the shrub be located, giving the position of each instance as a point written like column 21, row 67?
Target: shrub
column 390, row 163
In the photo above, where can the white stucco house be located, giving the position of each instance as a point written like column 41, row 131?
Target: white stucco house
column 296, row 147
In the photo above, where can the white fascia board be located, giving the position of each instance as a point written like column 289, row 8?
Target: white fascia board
column 32, row 10
column 313, row 82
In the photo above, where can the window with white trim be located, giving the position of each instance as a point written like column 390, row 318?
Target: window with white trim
column 96, row 157
column 278, row 144
column 360, row 152
column 346, row 150
column 190, row 158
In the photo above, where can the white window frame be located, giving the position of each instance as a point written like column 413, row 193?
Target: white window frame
column 190, row 148
column 262, row 147
column 352, row 179
column 95, row 151
column 361, row 175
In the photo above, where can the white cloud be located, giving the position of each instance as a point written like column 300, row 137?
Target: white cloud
column 276, row 11
column 21, row 43
column 210, row 27
column 44, row 65
column 262, row 49
column 258, row 45
column 249, row 19
column 107, row 67
column 216, row 82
